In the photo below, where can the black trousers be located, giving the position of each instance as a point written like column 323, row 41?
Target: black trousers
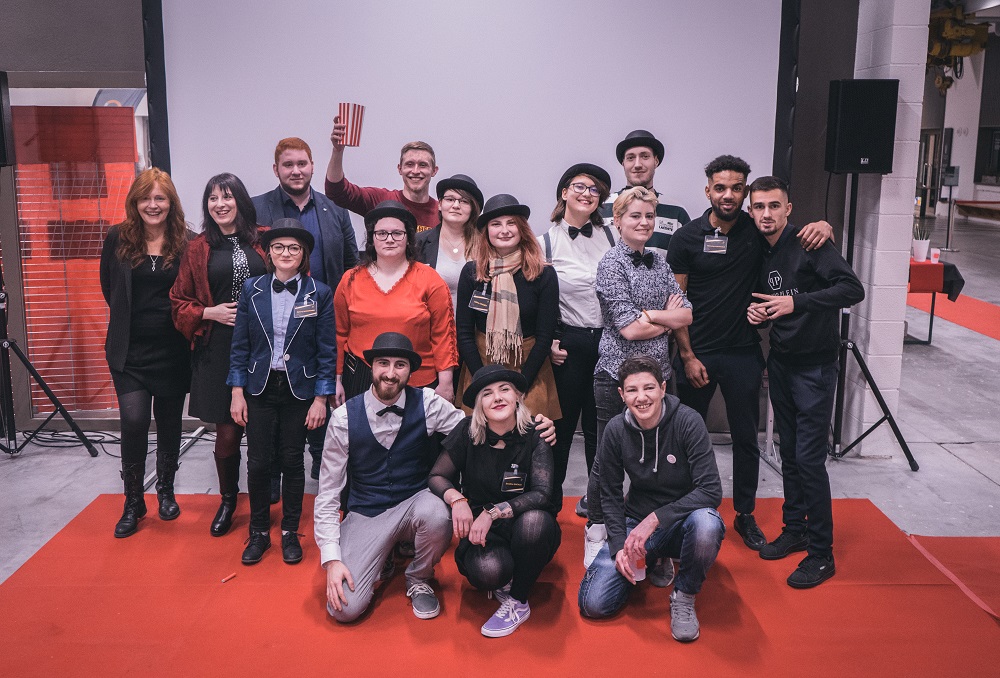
column 803, row 398
column 738, row 374
column 275, row 415
column 575, row 386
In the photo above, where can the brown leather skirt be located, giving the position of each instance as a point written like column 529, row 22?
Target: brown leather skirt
column 541, row 398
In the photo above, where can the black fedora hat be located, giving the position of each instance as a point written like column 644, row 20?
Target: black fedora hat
column 501, row 205
column 463, row 182
column 639, row 137
column 288, row 228
column 582, row 168
column 393, row 345
column 391, row 208
column 491, row 374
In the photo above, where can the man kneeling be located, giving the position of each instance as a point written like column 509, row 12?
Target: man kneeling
column 670, row 511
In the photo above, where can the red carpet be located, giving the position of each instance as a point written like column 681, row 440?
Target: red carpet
column 153, row 604
column 972, row 314
column 971, row 562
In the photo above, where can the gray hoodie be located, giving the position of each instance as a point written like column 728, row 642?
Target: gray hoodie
column 671, row 468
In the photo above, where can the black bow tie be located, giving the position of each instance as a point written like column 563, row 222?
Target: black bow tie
column 492, row 439
column 279, row 287
column 638, row 259
column 586, row 231
column 395, row 409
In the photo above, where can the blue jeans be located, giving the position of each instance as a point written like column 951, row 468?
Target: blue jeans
column 695, row 541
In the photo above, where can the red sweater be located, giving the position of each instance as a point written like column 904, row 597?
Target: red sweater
column 361, row 199
column 419, row 306
column 191, row 295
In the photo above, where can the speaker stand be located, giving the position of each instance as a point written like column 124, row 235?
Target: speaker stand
column 846, row 345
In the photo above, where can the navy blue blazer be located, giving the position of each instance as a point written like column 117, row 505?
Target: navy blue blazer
column 340, row 247
column 310, row 343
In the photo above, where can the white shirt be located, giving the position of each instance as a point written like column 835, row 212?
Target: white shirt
column 575, row 261
column 282, row 304
column 450, row 270
column 440, row 416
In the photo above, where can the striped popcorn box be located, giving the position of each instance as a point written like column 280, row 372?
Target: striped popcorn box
column 352, row 115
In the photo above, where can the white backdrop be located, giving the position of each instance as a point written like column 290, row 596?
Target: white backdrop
column 511, row 93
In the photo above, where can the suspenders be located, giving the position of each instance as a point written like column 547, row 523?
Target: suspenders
column 548, row 242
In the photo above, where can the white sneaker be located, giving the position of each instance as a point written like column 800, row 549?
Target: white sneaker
column 594, row 538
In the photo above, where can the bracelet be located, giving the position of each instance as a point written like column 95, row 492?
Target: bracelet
column 648, row 317
column 455, row 501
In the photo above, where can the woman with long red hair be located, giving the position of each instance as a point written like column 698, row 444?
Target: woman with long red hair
column 508, row 304
column 148, row 358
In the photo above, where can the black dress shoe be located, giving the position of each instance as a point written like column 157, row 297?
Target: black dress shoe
column 257, row 543
column 291, row 550
column 224, row 516
column 746, row 526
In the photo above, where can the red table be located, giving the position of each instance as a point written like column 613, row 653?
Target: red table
column 931, row 278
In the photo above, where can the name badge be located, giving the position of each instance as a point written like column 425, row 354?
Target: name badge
column 480, row 301
column 305, row 310
column 667, row 226
column 513, row 480
column 716, row 244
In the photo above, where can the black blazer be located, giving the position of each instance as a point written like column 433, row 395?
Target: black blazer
column 427, row 246
column 116, row 286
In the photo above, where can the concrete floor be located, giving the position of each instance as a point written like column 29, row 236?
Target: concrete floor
column 948, row 412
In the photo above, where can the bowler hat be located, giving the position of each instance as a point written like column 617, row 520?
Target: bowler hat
column 491, row 374
column 639, row 137
column 391, row 208
column 462, row 182
column 501, row 205
column 393, row 345
column 582, row 168
column 287, row 228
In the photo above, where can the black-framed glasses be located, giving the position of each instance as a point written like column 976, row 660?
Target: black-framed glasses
column 448, row 200
column 382, row 236
column 280, row 248
column 580, row 188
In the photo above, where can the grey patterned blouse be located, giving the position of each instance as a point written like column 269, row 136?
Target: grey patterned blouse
column 624, row 289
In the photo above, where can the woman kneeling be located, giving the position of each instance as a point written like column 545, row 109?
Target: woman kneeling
column 501, row 515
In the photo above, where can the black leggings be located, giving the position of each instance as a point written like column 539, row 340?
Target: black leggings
column 134, row 409
column 228, row 436
column 516, row 551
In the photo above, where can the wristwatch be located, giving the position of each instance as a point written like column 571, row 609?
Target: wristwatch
column 493, row 511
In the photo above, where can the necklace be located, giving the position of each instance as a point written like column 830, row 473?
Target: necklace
column 154, row 259
column 451, row 244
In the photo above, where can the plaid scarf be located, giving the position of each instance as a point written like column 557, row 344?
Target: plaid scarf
column 503, row 321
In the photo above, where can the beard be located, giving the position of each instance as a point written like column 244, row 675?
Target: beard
column 722, row 215
column 387, row 389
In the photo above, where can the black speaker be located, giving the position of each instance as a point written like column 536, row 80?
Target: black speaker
column 6, row 131
column 861, row 126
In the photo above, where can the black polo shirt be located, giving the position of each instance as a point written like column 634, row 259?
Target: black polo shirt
column 719, row 285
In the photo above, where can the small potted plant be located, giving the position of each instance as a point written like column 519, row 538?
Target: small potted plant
column 921, row 240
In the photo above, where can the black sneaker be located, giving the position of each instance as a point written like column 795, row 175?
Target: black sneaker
column 581, row 507
column 812, row 571
column 257, row 543
column 291, row 550
column 746, row 526
column 786, row 543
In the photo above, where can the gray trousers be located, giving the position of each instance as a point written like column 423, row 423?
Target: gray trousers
column 366, row 542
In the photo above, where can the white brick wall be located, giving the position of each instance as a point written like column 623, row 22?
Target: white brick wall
column 892, row 43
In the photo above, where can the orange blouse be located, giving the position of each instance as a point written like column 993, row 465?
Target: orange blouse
column 418, row 305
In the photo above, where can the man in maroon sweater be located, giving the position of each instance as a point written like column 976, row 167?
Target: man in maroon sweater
column 417, row 166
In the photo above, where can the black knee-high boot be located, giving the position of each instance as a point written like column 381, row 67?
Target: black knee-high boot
column 229, row 477
column 135, row 501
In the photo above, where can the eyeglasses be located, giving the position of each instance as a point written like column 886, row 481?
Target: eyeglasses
column 448, row 200
column 580, row 188
column 279, row 248
column 396, row 236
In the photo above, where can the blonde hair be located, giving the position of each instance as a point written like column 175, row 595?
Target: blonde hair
column 627, row 197
column 478, row 425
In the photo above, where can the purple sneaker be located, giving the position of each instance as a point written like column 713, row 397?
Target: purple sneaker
column 506, row 620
